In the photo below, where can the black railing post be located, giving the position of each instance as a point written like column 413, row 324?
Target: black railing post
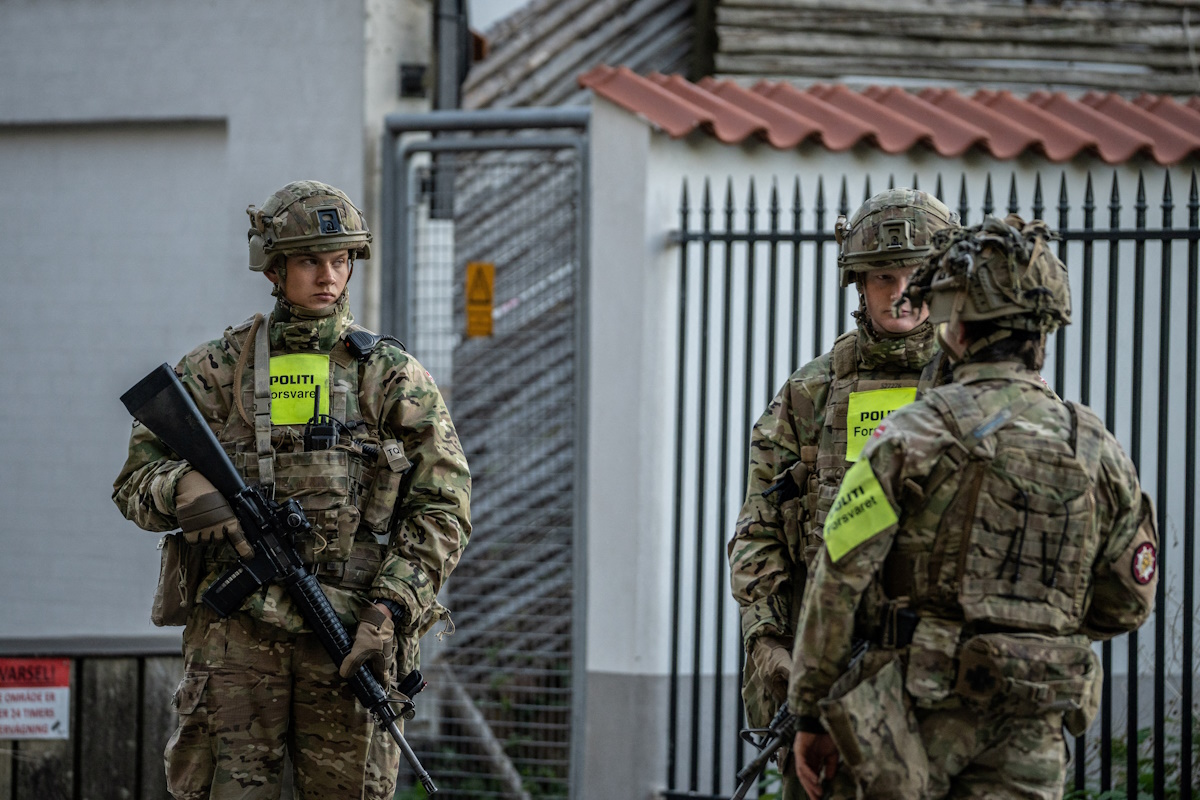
column 794, row 310
column 1110, row 421
column 1189, row 501
column 1135, row 447
column 1164, row 409
column 819, row 273
column 677, row 533
column 843, row 210
column 1060, row 336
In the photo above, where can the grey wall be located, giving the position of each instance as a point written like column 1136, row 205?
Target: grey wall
column 133, row 134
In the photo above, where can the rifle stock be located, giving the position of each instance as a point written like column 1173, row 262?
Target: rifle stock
column 160, row 402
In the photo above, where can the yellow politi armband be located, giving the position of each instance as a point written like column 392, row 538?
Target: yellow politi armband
column 295, row 379
column 867, row 410
column 860, row 511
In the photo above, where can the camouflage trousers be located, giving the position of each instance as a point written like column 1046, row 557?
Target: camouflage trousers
column 252, row 692
column 973, row 754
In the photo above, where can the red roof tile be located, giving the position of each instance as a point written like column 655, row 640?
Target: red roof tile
column 895, row 120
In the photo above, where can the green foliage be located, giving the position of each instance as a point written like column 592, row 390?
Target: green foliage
column 1172, row 779
column 770, row 783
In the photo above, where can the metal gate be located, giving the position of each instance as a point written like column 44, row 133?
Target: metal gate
column 759, row 297
column 505, row 189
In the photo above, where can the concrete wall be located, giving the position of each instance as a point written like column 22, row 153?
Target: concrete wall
column 133, row 134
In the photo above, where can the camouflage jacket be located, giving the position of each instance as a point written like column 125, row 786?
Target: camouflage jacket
column 800, row 444
column 917, row 513
column 426, row 519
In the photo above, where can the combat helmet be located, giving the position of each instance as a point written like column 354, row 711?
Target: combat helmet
column 1000, row 271
column 305, row 216
column 891, row 229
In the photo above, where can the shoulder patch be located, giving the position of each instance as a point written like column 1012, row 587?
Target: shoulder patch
column 1144, row 563
column 860, row 512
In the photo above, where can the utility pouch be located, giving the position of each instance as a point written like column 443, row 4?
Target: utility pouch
column 180, row 571
column 875, row 730
column 1028, row 673
column 931, row 671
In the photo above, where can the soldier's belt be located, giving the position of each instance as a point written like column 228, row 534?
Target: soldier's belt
column 357, row 572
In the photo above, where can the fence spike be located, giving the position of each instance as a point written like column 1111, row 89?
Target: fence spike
column 751, row 204
column 1114, row 204
column 774, row 207
column 1089, row 204
column 1193, row 202
column 1139, row 204
column 988, row 205
column 706, row 207
column 867, row 189
column 915, row 183
column 1013, row 206
column 937, row 192
column 843, row 202
column 683, row 202
column 963, row 209
column 1064, row 209
column 797, row 204
column 1039, row 207
column 1168, row 202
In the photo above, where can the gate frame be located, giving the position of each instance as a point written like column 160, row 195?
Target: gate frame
column 396, row 302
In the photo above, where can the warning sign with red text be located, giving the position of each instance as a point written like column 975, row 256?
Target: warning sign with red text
column 35, row 698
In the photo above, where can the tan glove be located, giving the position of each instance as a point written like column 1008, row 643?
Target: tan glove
column 373, row 644
column 204, row 515
column 774, row 661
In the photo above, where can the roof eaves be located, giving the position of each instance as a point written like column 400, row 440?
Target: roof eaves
column 1005, row 138
column 730, row 123
column 949, row 134
column 786, row 128
column 839, row 130
column 1116, row 142
column 1060, row 140
column 661, row 108
column 895, row 132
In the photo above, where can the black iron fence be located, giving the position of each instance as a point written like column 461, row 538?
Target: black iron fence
column 759, row 297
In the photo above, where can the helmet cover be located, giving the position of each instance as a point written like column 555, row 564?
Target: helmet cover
column 305, row 216
column 890, row 230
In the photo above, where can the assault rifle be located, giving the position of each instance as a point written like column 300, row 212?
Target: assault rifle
column 268, row 552
column 780, row 733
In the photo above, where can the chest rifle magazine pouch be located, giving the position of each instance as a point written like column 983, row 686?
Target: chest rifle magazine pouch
column 180, row 570
column 876, row 733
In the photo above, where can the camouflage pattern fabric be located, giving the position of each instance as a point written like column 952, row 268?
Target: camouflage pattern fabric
column 423, row 513
column 776, row 536
column 916, row 459
column 252, row 692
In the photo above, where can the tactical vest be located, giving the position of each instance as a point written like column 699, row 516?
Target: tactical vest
column 826, row 463
column 1016, row 528
column 348, row 495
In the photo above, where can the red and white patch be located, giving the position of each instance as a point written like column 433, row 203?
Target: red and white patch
column 1145, row 563
column 875, row 434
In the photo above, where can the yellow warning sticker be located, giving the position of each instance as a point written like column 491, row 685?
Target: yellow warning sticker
column 867, row 410
column 481, row 297
column 296, row 381
column 860, row 511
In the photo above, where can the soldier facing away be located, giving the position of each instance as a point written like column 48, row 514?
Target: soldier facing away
column 815, row 427
column 389, row 507
column 1007, row 530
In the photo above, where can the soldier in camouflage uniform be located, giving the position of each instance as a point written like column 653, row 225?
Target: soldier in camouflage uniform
column 1007, row 530
column 389, row 506
column 814, row 427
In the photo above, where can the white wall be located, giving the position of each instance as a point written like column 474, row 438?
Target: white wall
column 133, row 134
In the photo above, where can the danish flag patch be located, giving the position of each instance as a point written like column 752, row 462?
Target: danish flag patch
column 1145, row 563
column 875, row 434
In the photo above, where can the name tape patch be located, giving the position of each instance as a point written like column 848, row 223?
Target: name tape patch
column 867, row 410
column 294, row 382
column 860, row 511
